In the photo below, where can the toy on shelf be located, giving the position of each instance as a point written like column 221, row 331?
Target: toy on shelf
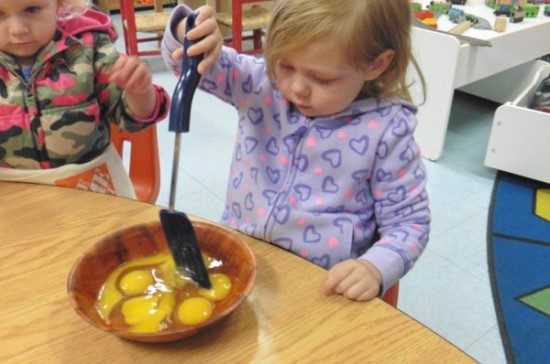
column 523, row 3
column 461, row 27
column 517, row 14
column 427, row 17
column 458, row 16
column 502, row 8
column 439, row 7
column 500, row 24
column 478, row 22
column 415, row 7
column 531, row 11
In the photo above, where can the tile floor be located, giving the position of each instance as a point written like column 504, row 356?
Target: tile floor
column 448, row 290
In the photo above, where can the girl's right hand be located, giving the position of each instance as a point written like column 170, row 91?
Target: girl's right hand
column 211, row 46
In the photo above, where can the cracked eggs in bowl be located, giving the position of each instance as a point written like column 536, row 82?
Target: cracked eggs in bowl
column 127, row 283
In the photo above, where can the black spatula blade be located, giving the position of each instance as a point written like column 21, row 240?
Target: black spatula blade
column 184, row 246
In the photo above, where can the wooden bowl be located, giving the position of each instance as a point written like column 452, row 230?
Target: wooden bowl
column 90, row 272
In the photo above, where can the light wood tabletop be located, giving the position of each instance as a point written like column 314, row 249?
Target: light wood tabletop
column 285, row 319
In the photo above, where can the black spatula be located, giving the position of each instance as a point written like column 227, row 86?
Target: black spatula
column 176, row 225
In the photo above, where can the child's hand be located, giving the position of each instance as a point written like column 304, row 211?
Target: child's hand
column 211, row 46
column 132, row 75
column 356, row 279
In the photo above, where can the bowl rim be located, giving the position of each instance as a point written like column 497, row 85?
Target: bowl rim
column 168, row 334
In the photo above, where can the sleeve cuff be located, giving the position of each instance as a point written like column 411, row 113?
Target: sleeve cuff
column 388, row 263
column 160, row 111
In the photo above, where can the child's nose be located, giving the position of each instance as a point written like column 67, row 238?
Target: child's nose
column 17, row 27
column 299, row 86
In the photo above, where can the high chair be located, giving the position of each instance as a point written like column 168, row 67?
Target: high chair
column 239, row 20
column 133, row 23
column 144, row 160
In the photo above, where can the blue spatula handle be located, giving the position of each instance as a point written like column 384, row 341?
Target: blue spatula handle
column 180, row 109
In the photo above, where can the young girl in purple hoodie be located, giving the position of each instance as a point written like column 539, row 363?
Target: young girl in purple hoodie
column 325, row 158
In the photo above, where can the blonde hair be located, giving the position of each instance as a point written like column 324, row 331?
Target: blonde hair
column 70, row 8
column 363, row 28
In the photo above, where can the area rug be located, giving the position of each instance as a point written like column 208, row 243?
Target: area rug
column 519, row 266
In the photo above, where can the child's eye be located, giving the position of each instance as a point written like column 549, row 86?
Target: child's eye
column 323, row 81
column 32, row 9
column 285, row 67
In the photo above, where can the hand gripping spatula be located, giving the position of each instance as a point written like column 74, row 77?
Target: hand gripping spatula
column 176, row 225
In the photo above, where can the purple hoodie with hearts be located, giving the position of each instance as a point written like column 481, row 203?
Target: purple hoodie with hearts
column 320, row 187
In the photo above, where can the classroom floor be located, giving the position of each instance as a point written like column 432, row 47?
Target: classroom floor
column 448, row 290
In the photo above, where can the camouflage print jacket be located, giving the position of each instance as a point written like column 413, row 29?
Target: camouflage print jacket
column 62, row 114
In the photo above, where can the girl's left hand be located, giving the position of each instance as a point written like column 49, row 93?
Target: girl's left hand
column 356, row 279
column 132, row 75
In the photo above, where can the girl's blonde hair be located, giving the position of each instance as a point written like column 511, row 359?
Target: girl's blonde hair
column 70, row 8
column 363, row 28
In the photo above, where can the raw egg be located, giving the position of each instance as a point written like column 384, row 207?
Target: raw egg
column 136, row 282
column 195, row 310
column 221, row 286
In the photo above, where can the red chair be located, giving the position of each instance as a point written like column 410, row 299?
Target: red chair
column 144, row 160
column 146, row 22
column 251, row 19
column 392, row 295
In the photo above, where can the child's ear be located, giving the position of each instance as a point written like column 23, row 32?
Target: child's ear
column 379, row 65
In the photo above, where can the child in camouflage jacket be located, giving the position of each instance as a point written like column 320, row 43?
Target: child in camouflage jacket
column 62, row 82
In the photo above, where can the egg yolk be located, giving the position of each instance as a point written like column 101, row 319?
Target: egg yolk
column 195, row 310
column 136, row 282
column 221, row 286
column 147, row 314
column 109, row 295
column 137, row 309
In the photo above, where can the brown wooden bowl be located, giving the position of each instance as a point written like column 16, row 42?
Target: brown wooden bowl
column 90, row 272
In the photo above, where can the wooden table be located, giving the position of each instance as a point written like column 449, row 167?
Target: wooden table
column 45, row 229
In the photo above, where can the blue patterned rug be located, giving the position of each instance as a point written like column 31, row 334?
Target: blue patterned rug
column 519, row 266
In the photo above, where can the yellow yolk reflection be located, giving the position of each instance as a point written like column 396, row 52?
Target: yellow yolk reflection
column 172, row 276
column 143, row 293
column 195, row 310
column 221, row 286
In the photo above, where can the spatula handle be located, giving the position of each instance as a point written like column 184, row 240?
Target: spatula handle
column 180, row 109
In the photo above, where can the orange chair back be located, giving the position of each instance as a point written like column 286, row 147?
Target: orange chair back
column 144, row 160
